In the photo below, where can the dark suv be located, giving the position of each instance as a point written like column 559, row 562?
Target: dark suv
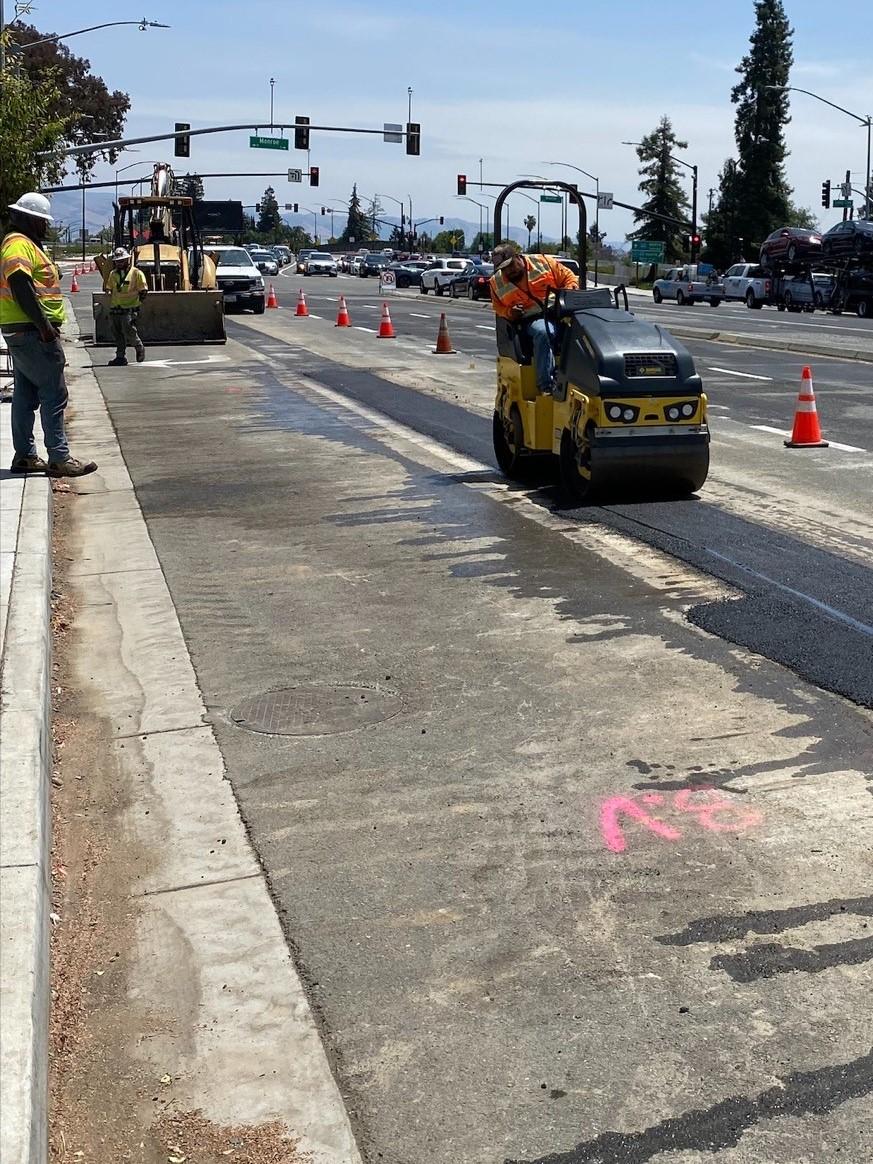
column 373, row 264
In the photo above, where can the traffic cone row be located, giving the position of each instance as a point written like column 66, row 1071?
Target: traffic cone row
column 272, row 301
column 806, row 433
column 386, row 327
column 302, row 309
column 342, row 316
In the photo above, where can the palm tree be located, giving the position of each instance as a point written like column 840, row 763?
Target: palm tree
column 530, row 222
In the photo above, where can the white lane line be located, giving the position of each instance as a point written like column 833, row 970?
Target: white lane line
column 418, row 315
column 357, row 327
column 734, row 372
column 833, row 444
column 486, row 326
column 369, row 306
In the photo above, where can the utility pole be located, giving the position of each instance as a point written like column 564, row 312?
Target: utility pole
column 711, row 193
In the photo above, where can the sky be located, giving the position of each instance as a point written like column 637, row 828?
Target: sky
column 512, row 83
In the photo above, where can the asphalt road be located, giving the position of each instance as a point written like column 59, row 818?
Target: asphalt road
column 569, row 875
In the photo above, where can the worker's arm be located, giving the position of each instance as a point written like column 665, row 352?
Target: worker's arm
column 143, row 285
column 565, row 280
column 21, row 286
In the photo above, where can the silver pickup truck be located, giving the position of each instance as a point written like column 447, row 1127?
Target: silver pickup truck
column 688, row 285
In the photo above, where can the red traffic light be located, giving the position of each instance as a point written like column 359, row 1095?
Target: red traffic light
column 462, row 183
column 695, row 240
column 313, row 175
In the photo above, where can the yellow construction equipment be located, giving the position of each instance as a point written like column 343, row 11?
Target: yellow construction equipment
column 184, row 304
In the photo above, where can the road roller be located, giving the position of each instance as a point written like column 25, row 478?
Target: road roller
column 627, row 411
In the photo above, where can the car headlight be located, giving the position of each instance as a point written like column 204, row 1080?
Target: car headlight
column 259, row 283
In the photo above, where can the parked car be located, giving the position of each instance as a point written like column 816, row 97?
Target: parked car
column 320, row 263
column 824, row 283
column 355, row 264
column 472, row 283
column 408, row 274
column 790, row 244
column 238, row 279
column 372, row 264
column 854, row 292
column 849, row 240
column 283, row 254
column 265, row 261
column 439, row 273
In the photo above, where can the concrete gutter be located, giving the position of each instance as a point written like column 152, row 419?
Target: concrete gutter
column 25, row 820
column 745, row 340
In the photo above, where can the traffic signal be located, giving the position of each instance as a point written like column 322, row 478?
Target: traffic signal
column 695, row 240
column 183, row 144
column 442, row 220
column 826, row 194
column 257, row 208
column 296, row 211
column 313, row 175
column 322, row 210
column 301, row 133
column 413, row 138
column 462, row 183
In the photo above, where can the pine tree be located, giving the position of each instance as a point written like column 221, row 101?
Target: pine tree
column 724, row 239
column 763, row 194
column 665, row 196
column 269, row 220
column 357, row 228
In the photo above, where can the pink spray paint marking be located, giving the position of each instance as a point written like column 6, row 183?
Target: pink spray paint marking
column 704, row 806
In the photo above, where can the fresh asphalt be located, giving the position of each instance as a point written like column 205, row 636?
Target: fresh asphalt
column 495, row 977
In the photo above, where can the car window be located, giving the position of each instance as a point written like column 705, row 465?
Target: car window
column 456, row 265
column 231, row 256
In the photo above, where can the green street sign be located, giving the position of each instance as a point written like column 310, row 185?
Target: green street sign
column 848, row 202
column 550, row 198
column 268, row 143
column 643, row 251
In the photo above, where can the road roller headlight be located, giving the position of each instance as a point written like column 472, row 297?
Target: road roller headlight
column 624, row 413
column 688, row 409
column 614, row 412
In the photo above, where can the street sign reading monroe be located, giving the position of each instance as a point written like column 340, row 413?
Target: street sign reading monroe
column 256, row 142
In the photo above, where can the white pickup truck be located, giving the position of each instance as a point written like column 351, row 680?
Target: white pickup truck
column 749, row 282
column 687, row 285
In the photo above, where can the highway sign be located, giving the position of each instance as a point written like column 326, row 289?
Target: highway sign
column 295, row 175
column 643, row 251
column 256, row 142
column 604, row 201
column 392, row 131
column 550, row 198
column 847, row 202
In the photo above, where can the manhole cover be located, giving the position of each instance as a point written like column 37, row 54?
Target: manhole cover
column 316, row 710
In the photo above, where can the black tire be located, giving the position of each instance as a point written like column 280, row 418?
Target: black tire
column 576, row 488
column 437, row 290
column 423, row 289
column 714, row 302
column 657, row 296
column 792, row 253
column 819, row 301
column 452, row 292
column 680, row 298
column 471, row 294
column 508, row 438
column 864, row 308
column 259, row 306
column 751, row 301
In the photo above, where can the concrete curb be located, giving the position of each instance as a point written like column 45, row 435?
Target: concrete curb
column 743, row 339
column 25, row 836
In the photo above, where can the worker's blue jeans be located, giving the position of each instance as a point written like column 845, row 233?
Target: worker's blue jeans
column 544, row 359
column 38, row 383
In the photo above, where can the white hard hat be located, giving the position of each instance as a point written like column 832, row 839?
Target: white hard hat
column 36, row 205
column 120, row 254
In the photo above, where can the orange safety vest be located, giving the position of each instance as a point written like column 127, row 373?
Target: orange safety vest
column 543, row 273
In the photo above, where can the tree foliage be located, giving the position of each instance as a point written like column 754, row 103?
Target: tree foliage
column 191, row 186
column 27, row 128
column 79, row 98
column 664, row 195
column 269, row 219
column 448, row 240
column 763, row 197
column 529, row 224
column 357, row 228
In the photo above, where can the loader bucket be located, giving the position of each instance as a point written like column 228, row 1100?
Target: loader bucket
column 169, row 317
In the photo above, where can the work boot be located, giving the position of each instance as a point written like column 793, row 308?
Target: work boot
column 118, row 362
column 71, row 467
column 32, row 464
column 140, row 355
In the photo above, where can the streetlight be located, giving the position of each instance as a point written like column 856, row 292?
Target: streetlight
column 564, row 214
column 867, row 121
column 481, row 205
column 121, row 169
column 400, row 203
column 596, row 182
column 693, row 169
column 485, row 194
column 314, row 223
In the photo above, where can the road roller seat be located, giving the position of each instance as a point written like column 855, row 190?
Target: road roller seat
column 513, row 341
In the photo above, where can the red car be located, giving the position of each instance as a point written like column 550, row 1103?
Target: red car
column 791, row 244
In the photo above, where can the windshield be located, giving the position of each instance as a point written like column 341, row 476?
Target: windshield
column 326, row 258
column 230, row 256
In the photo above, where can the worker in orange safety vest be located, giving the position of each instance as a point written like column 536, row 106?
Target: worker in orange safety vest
column 519, row 287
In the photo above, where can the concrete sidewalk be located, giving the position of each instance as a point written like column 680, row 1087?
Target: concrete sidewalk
column 25, row 830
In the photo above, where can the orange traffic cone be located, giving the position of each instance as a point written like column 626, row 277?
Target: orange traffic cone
column 76, row 269
column 806, row 433
column 302, row 309
column 443, row 343
column 386, row 327
column 272, row 301
column 342, row 316
column 74, row 286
